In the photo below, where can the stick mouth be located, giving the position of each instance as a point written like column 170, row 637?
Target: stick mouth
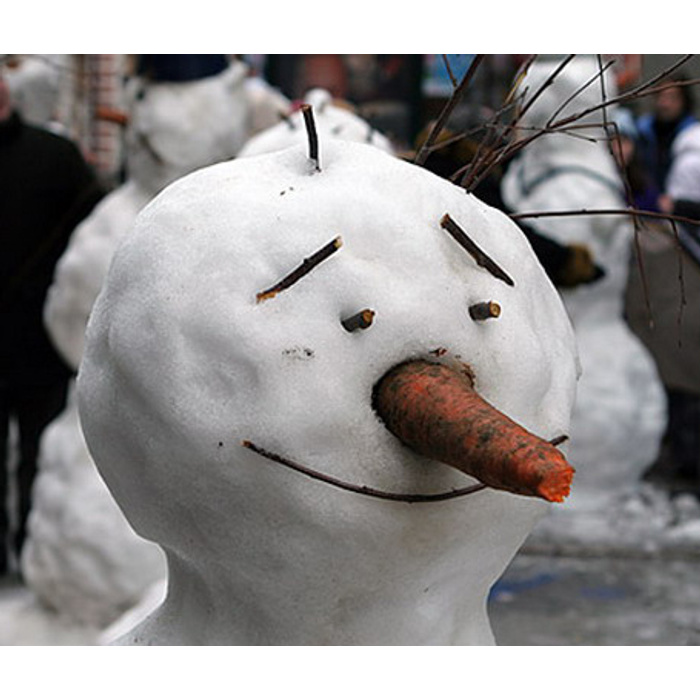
column 434, row 410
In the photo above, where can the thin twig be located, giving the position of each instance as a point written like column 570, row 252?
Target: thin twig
column 481, row 258
column 545, row 86
column 306, row 266
column 681, row 279
column 308, row 114
column 598, row 76
column 363, row 490
column 629, row 196
column 603, row 212
column 448, row 68
column 650, row 87
column 447, row 110
column 477, row 171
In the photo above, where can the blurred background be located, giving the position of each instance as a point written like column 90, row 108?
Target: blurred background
column 397, row 93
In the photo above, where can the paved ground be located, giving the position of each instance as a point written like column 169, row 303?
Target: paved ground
column 540, row 600
column 625, row 600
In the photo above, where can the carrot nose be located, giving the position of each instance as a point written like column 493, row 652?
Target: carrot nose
column 434, row 410
column 110, row 114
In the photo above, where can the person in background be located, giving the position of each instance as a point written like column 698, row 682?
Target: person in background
column 668, row 143
column 46, row 188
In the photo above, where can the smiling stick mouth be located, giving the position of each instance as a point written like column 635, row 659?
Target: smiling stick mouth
column 435, row 411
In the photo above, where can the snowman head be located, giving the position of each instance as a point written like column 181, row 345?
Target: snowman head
column 34, row 82
column 566, row 86
column 190, row 358
column 177, row 126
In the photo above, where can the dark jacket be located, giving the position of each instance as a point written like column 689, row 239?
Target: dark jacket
column 46, row 189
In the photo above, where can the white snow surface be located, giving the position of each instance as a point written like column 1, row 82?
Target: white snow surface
column 620, row 410
column 332, row 122
column 182, row 364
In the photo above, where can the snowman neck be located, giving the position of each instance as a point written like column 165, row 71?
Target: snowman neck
column 205, row 607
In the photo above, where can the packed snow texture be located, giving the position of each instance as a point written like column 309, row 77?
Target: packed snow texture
column 332, row 121
column 620, row 410
column 84, row 560
column 81, row 556
column 182, row 364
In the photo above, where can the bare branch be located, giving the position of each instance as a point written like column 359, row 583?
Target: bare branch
column 447, row 110
column 604, row 212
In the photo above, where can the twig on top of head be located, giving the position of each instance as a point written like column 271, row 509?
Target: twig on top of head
column 308, row 114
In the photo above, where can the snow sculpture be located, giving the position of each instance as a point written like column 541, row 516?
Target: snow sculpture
column 173, row 129
column 619, row 415
column 205, row 386
column 34, row 82
column 82, row 557
column 333, row 121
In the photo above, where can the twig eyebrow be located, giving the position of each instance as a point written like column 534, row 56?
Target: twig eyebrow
column 306, row 266
column 481, row 258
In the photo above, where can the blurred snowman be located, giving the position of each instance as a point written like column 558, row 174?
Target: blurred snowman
column 35, row 83
column 183, row 112
column 619, row 415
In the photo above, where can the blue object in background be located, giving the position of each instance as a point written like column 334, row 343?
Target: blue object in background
column 436, row 78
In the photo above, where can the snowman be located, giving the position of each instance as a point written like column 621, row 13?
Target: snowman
column 619, row 415
column 329, row 384
column 82, row 557
column 333, row 119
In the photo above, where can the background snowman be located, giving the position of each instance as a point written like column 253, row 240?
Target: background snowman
column 183, row 112
column 619, row 417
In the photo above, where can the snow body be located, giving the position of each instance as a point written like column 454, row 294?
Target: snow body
column 182, row 364
column 619, row 417
column 94, row 572
column 332, row 122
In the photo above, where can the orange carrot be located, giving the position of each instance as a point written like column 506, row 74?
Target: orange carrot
column 434, row 410
column 110, row 114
